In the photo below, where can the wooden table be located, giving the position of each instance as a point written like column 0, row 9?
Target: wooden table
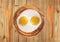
column 8, row 31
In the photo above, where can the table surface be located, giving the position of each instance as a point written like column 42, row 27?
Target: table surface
column 8, row 33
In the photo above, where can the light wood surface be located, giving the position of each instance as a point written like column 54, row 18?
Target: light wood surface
column 8, row 33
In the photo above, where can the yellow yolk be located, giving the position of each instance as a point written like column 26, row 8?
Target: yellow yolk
column 34, row 20
column 23, row 20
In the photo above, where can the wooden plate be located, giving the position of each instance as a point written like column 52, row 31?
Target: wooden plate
column 21, row 10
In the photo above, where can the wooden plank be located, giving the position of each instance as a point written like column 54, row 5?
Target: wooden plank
column 58, row 11
column 15, row 35
column 0, row 23
column 55, row 21
column 31, row 39
column 2, row 26
column 43, row 34
column 59, row 21
column 35, row 38
column 22, row 38
column 3, row 7
column 11, row 2
column 7, row 8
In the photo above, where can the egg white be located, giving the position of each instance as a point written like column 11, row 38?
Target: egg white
column 29, row 13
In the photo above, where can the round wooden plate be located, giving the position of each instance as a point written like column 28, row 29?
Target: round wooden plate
column 21, row 10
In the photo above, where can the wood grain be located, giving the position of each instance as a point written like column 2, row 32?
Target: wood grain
column 8, row 33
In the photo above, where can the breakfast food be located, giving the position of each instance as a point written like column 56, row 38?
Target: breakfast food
column 28, row 20
column 34, row 20
column 23, row 21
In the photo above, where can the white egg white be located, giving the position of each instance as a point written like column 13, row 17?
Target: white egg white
column 29, row 27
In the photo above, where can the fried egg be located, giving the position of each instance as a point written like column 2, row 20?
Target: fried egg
column 23, row 20
column 29, row 20
column 34, row 20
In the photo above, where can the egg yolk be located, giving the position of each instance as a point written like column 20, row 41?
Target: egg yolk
column 34, row 20
column 23, row 20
